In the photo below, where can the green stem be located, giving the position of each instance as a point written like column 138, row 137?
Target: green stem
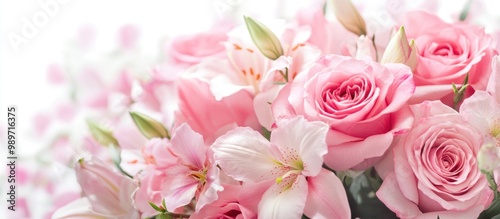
column 123, row 171
column 493, row 185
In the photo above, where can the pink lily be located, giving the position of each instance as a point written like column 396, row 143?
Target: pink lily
column 294, row 159
column 481, row 110
column 193, row 176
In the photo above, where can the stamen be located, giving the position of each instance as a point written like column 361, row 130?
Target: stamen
column 237, row 47
column 495, row 130
column 287, row 174
column 297, row 46
column 199, row 175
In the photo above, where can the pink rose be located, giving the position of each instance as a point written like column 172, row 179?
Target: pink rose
column 446, row 53
column 363, row 102
column 235, row 201
column 192, row 49
column 435, row 168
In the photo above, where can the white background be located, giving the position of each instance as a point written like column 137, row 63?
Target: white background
column 23, row 79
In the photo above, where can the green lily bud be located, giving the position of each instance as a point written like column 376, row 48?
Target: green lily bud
column 102, row 134
column 149, row 127
column 348, row 16
column 265, row 40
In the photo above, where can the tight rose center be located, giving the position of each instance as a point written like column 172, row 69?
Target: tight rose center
column 345, row 95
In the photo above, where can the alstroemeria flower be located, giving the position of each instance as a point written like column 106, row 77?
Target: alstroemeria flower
column 293, row 159
column 245, row 67
column 483, row 112
column 194, row 176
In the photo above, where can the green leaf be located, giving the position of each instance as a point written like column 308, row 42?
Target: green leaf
column 466, row 80
column 163, row 204
column 362, row 199
column 156, row 207
column 266, row 133
column 459, row 93
column 492, row 211
column 164, row 216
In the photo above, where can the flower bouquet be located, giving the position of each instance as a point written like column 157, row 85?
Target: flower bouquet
column 321, row 115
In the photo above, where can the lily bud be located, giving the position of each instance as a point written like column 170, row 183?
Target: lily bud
column 400, row 51
column 363, row 49
column 265, row 40
column 95, row 177
column 101, row 134
column 109, row 191
column 149, row 127
column 488, row 158
column 348, row 16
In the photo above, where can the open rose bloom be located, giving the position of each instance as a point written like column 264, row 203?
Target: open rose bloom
column 331, row 112
column 435, row 168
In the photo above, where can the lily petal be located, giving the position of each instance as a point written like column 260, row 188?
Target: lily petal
column 327, row 197
column 494, row 83
column 307, row 140
column 181, row 191
column 189, row 146
column 245, row 155
column 289, row 203
column 80, row 208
